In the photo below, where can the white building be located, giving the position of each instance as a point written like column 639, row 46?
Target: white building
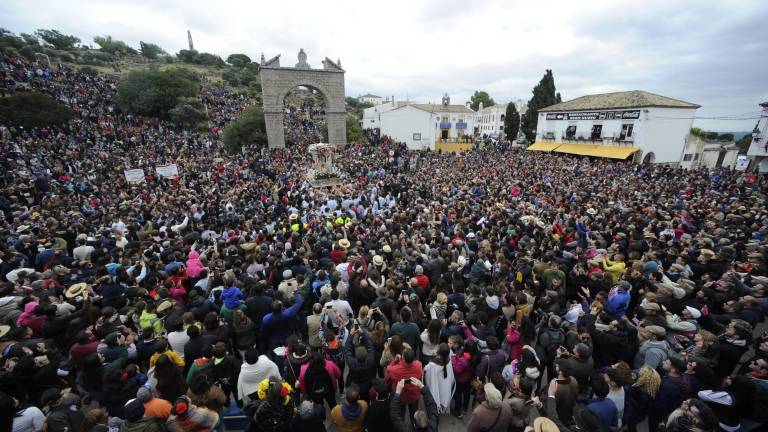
column 423, row 126
column 651, row 127
column 490, row 120
column 758, row 150
column 701, row 153
column 371, row 99
column 372, row 116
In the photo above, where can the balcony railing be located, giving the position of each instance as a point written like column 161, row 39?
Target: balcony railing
column 445, row 125
column 461, row 125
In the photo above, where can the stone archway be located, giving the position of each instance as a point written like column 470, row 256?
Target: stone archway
column 277, row 81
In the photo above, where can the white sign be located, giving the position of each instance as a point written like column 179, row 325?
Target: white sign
column 167, row 170
column 741, row 162
column 134, row 175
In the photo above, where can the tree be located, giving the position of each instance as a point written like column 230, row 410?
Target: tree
column 248, row 130
column 726, row 137
column 153, row 93
column 697, row 132
column 238, row 60
column 31, row 110
column 30, row 40
column 113, row 46
column 209, row 59
column 711, row 136
column 511, row 122
column 188, row 56
column 57, row 39
column 189, row 111
column 481, row 96
column 354, row 130
column 10, row 40
column 544, row 95
column 150, row 50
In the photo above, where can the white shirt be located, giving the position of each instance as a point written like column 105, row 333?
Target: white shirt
column 343, row 308
column 29, row 420
column 177, row 340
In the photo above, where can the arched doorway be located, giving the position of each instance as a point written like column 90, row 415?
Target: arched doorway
column 277, row 82
column 649, row 158
column 304, row 116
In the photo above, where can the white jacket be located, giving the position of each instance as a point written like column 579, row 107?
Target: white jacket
column 253, row 374
column 440, row 387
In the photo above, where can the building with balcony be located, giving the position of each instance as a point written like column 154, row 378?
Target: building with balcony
column 490, row 120
column 429, row 126
column 372, row 116
column 638, row 124
column 758, row 149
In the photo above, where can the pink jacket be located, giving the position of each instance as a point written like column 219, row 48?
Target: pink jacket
column 515, row 342
column 332, row 369
column 461, row 369
column 194, row 265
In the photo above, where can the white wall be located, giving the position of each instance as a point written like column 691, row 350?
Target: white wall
column 666, row 132
column 662, row 131
column 402, row 123
column 371, row 115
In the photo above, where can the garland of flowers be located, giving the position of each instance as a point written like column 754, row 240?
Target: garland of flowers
column 285, row 391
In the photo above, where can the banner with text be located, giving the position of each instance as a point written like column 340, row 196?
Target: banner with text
column 595, row 115
column 167, row 170
column 134, row 175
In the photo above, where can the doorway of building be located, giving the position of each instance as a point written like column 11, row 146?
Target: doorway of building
column 444, row 135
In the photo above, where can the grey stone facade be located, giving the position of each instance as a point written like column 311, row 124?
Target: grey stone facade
column 277, row 81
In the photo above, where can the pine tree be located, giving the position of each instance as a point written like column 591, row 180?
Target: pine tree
column 511, row 122
column 544, row 95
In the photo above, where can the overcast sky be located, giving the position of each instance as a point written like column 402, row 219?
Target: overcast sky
column 713, row 53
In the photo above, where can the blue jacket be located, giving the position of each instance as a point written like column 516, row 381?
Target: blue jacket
column 275, row 328
column 605, row 410
column 617, row 306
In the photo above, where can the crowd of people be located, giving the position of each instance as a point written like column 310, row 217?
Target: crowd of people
column 513, row 290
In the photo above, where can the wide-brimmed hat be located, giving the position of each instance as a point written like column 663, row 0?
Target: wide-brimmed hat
column 378, row 260
column 76, row 290
column 293, row 216
column 386, row 249
column 591, row 211
column 165, row 305
column 22, row 228
column 543, row 424
column 344, row 243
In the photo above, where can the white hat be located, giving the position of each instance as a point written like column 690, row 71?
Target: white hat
column 471, row 235
column 695, row 313
column 591, row 211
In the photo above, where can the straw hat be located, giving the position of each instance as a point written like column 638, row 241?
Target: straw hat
column 386, row 249
column 378, row 260
column 344, row 243
column 164, row 306
column 293, row 216
column 76, row 290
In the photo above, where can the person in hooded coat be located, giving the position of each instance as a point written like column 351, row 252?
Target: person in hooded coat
column 194, row 266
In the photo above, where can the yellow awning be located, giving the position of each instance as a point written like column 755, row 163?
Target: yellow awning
column 612, row 152
column 543, row 146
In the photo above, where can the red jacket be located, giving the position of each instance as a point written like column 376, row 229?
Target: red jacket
column 398, row 370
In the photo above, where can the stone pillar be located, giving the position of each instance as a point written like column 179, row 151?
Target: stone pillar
column 337, row 127
column 275, row 132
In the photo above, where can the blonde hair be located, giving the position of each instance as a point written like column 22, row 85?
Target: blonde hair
column 708, row 338
column 363, row 312
column 649, row 380
column 442, row 298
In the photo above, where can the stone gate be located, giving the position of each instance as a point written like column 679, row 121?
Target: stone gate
column 277, row 81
